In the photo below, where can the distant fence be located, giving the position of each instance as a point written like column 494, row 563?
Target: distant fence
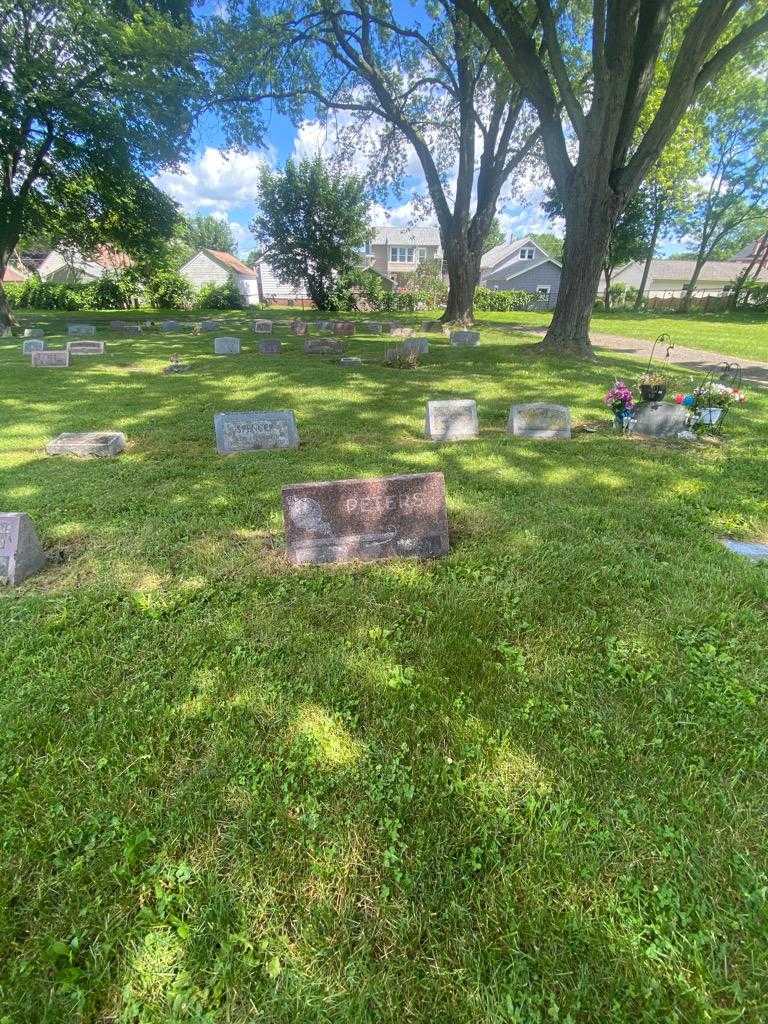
column 700, row 303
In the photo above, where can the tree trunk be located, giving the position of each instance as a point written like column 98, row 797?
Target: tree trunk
column 463, row 274
column 649, row 258
column 687, row 296
column 607, row 292
column 6, row 317
column 590, row 215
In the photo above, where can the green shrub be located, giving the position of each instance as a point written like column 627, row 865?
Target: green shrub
column 220, row 296
column 115, row 290
column 37, row 294
column 487, row 300
column 167, row 289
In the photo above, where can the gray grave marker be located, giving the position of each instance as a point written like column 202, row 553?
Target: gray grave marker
column 169, row 325
column 87, row 330
column 299, row 327
column 350, row 361
column 86, row 348
column 465, row 339
column 51, row 357
column 226, row 346
column 262, row 326
column 20, row 552
column 660, row 419
column 452, row 420
column 540, row 420
column 32, row 345
column 323, row 347
column 343, row 327
column 747, row 549
column 372, row 327
column 366, row 520
column 99, row 444
column 418, row 345
column 270, row 347
column 211, row 325
column 34, row 332
column 255, row 431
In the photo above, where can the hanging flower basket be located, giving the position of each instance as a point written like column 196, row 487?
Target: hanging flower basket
column 653, row 392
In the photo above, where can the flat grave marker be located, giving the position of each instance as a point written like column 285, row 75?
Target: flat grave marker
column 747, row 549
column 209, row 326
column 465, row 339
column 255, row 431
column 452, row 420
column 323, row 347
column 226, row 346
column 104, row 444
column 34, row 332
column 86, row 348
column 366, row 520
column 350, row 361
column 51, row 357
column 87, row 330
column 20, row 552
column 540, row 420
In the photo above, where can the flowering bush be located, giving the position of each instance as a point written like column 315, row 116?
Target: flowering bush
column 620, row 399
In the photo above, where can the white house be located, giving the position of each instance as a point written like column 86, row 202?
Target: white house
column 670, row 277
column 256, row 284
column 522, row 265
column 68, row 266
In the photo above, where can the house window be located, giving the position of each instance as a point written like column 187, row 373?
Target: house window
column 422, row 255
column 543, row 293
column 527, row 254
column 367, row 248
column 402, row 254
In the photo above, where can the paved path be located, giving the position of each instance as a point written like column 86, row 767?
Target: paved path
column 692, row 358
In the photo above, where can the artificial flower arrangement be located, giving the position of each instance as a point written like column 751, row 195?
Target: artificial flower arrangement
column 621, row 401
column 708, row 404
column 653, row 386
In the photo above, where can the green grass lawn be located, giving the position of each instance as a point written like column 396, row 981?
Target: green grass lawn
column 523, row 783
column 742, row 335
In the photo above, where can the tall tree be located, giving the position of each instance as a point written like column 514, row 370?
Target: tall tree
column 94, row 95
column 752, row 270
column 204, row 231
column 550, row 243
column 628, row 240
column 312, row 224
column 730, row 207
column 600, row 63
column 430, row 86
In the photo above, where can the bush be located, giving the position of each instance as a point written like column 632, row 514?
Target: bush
column 37, row 294
column 220, row 296
column 487, row 300
column 115, row 290
column 167, row 289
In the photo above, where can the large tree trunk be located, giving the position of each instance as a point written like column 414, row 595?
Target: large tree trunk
column 687, row 296
column 589, row 221
column 607, row 291
column 463, row 273
column 649, row 258
column 6, row 317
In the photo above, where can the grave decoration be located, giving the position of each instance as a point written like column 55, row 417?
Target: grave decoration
column 175, row 364
column 653, row 384
column 365, row 520
column 621, row 401
column 710, row 403
column 20, row 552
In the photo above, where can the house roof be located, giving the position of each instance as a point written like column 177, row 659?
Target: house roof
column 682, row 270
column 501, row 253
column 110, row 259
column 405, row 236
column 230, row 262
column 12, row 276
column 749, row 250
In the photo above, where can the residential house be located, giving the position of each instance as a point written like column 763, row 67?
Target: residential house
column 668, row 278
column 68, row 266
column 13, row 276
column 396, row 252
column 522, row 265
column 256, row 284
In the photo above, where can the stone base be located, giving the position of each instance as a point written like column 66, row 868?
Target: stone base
column 98, row 445
column 20, row 552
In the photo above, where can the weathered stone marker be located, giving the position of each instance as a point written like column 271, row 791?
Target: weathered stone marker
column 747, row 549
column 324, row 325
column 350, row 361
column 432, row 327
column 466, row 339
column 255, row 431
column 169, row 325
column 104, row 445
column 400, row 332
column 540, row 421
column 210, row 325
column 270, row 347
column 262, row 326
column 343, row 327
column 34, row 332
column 51, row 357
column 125, row 326
column 299, row 327
column 87, row 330
column 86, row 348
column 372, row 327
column 20, row 552
column 659, row 419
column 365, row 520
column 323, row 347
column 226, row 346
column 418, row 345
column 452, row 420
column 32, row 345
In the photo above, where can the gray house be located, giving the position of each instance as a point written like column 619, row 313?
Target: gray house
column 522, row 265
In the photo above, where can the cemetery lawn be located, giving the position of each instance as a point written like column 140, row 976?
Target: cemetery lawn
column 741, row 335
column 523, row 783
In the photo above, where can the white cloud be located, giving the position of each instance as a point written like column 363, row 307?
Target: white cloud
column 217, row 180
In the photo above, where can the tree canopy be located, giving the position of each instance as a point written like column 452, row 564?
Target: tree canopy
column 204, row 231
column 311, row 225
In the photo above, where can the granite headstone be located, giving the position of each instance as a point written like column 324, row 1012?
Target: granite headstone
column 32, row 345
column 466, row 339
column 540, row 420
column 659, row 419
column 100, row 444
column 350, row 361
column 343, row 327
column 51, row 357
column 86, row 348
column 418, row 345
column 299, row 327
column 270, row 347
column 20, row 552
column 226, row 346
column 87, row 330
column 371, row 327
column 364, row 520
column 452, row 420
column 323, row 347
column 34, row 332
column 262, row 326
column 208, row 326
column 255, row 431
